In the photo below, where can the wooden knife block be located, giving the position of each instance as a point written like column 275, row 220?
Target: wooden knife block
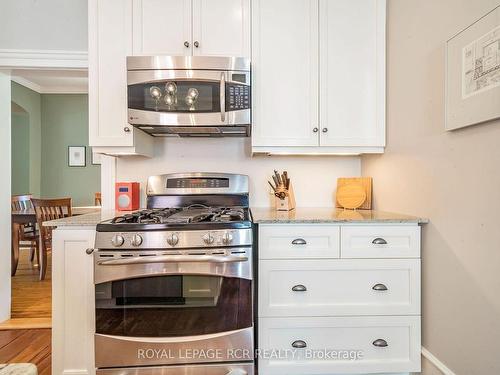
column 286, row 204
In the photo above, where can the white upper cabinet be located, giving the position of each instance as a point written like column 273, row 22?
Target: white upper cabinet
column 192, row 27
column 352, row 72
column 318, row 76
column 162, row 27
column 221, row 28
column 110, row 41
column 285, row 73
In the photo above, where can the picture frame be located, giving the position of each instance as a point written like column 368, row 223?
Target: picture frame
column 473, row 73
column 77, row 156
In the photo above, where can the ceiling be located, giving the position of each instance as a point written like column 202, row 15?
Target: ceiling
column 52, row 81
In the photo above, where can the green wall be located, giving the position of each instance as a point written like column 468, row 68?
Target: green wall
column 30, row 101
column 20, row 153
column 65, row 123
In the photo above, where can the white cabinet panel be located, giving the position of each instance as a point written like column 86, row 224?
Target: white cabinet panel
column 291, row 241
column 380, row 241
column 221, row 28
column 339, row 287
column 357, row 334
column 110, row 41
column 285, row 72
column 352, row 72
column 73, row 310
column 162, row 27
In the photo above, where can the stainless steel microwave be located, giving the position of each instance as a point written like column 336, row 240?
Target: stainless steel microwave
column 189, row 95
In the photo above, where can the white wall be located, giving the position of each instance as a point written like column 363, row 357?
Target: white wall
column 453, row 178
column 314, row 178
column 43, row 25
column 5, row 231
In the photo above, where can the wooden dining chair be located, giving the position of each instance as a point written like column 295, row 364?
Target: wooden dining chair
column 97, row 199
column 27, row 232
column 48, row 209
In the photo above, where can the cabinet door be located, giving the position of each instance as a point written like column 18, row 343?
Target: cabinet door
column 73, row 307
column 110, row 41
column 352, row 72
column 162, row 27
column 221, row 28
column 285, row 72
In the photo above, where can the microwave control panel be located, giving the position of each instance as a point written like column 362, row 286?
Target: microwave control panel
column 237, row 97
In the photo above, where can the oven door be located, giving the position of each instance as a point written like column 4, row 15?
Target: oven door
column 205, row 369
column 160, row 308
column 188, row 98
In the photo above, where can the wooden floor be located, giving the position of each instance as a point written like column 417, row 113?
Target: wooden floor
column 31, row 298
column 27, row 345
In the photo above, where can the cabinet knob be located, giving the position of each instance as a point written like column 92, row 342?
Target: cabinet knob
column 324, row 130
column 299, row 241
column 196, row 43
column 379, row 287
column 186, row 44
column 315, row 130
column 379, row 241
column 89, row 251
column 299, row 288
column 299, row 344
column 381, row 343
column 126, row 129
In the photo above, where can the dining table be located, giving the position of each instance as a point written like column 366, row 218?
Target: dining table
column 28, row 216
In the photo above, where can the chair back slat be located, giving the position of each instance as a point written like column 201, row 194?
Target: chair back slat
column 97, row 199
column 51, row 209
column 21, row 202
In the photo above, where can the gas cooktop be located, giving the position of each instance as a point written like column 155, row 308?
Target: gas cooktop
column 196, row 216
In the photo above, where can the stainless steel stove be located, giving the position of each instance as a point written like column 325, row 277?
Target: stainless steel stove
column 174, row 282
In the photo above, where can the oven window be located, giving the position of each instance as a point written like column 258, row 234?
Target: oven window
column 179, row 96
column 169, row 306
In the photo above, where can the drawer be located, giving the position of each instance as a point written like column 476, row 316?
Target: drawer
column 289, row 241
column 380, row 241
column 312, row 287
column 353, row 345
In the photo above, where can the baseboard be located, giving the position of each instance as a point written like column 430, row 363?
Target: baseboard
column 436, row 362
column 26, row 323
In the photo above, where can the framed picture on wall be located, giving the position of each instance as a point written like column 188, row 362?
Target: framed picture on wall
column 473, row 73
column 76, row 156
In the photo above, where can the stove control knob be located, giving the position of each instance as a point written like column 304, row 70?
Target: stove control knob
column 117, row 240
column 136, row 240
column 208, row 239
column 227, row 238
column 173, row 239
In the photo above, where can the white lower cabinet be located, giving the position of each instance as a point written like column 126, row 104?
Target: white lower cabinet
column 73, row 302
column 346, row 302
column 339, row 287
column 355, row 345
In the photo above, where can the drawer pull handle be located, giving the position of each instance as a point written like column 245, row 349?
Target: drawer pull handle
column 379, row 241
column 379, row 287
column 299, row 344
column 299, row 241
column 299, row 288
column 381, row 343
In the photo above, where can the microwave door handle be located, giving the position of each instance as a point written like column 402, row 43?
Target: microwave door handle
column 173, row 259
column 223, row 97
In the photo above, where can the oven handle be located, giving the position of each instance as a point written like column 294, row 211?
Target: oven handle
column 173, row 259
column 223, row 97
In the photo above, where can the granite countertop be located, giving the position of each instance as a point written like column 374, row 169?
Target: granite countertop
column 265, row 215
column 90, row 219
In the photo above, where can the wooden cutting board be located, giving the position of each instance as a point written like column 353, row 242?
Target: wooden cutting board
column 349, row 192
